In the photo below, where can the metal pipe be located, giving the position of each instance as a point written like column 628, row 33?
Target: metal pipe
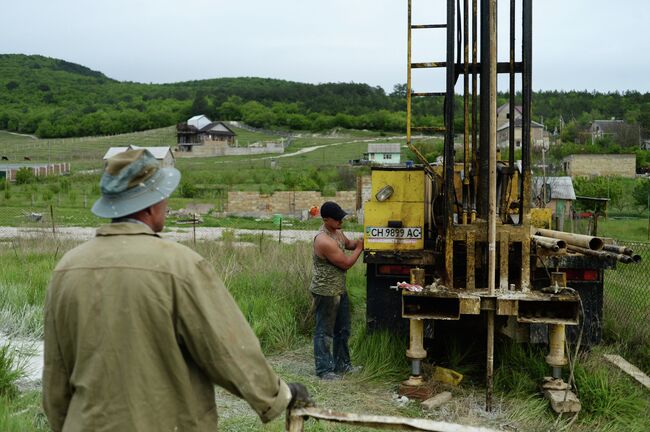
column 511, row 108
column 585, row 241
column 484, row 101
column 626, row 259
column 527, row 91
column 449, row 122
column 549, row 242
column 408, row 78
column 474, row 109
column 618, row 249
column 556, row 358
column 492, row 198
column 466, row 154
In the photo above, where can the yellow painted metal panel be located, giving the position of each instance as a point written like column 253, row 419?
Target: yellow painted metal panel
column 379, row 236
column 408, row 184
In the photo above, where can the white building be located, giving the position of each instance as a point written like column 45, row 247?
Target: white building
column 163, row 154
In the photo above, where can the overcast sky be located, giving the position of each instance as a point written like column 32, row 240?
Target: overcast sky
column 598, row 45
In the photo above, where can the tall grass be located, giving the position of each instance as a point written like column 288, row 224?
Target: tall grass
column 25, row 268
column 270, row 283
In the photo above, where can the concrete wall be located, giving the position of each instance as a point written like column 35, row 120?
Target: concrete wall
column 591, row 165
column 292, row 203
column 221, row 148
column 38, row 169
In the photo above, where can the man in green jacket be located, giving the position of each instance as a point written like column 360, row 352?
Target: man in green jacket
column 138, row 329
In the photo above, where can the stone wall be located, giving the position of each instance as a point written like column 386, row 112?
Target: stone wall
column 591, row 165
column 290, row 203
column 221, row 148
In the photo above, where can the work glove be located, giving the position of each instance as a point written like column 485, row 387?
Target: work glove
column 299, row 397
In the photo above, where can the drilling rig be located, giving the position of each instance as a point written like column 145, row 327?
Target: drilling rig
column 464, row 231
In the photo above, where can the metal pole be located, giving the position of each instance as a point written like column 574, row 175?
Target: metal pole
column 492, row 197
column 466, row 110
column 408, row 79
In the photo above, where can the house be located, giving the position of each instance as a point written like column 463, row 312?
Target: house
column 627, row 135
column 538, row 136
column 592, row 165
column 384, row 153
column 200, row 130
column 503, row 114
column 562, row 195
column 163, row 154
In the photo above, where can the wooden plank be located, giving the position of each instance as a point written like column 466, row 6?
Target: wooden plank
column 380, row 422
column 470, row 282
column 629, row 369
column 504, row 248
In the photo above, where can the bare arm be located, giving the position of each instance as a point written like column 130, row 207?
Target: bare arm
column 326, row 247
column 351, row 244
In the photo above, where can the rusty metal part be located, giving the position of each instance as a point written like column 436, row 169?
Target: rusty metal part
column 417, row 276
column 556, row 357
column 492, row 197
column 584, row 241
column 625, row 259
column 416, row 349
column 548, row 242
column 295, row 421
column 618, row 249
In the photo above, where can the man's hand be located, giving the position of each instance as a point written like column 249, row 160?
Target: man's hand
column 299, row 396
column 359, row 245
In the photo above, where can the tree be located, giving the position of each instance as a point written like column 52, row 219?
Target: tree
column 641, row 192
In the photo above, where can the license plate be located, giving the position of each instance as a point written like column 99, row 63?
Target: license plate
column 393, row 235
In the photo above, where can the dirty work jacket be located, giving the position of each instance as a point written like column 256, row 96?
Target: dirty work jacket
column 137, row 330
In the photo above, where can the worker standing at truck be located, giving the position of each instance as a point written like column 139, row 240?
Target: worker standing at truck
column 328, row 288
column 138, row 330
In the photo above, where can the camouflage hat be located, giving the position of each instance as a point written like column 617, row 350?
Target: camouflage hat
column 132, row 181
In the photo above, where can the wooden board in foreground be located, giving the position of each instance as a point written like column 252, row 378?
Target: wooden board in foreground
column 629, row 369
column 296, row 418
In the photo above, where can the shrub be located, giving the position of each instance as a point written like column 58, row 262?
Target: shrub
column 187, row 189
column 24, row 176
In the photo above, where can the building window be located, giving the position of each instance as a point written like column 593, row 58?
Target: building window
column 388, row 156
column 518, row 143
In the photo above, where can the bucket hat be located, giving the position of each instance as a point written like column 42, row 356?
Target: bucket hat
column 133, row 180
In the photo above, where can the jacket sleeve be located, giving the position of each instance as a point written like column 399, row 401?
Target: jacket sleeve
column 222, row 343
column 56, row 384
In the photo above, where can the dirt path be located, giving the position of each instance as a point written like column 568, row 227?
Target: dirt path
column 171, row 233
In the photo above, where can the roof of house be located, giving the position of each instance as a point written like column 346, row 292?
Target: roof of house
column 607, row 126
column 384, row 148
column 561, row 187
column 518, row 123
column 506, row 107
column 219, row 128
column 157, row 152
column 199, row 121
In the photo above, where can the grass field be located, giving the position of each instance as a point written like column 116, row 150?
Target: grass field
column 268, row 281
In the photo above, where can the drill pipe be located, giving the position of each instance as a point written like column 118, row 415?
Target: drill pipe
column 549, row 242
column 589, row 242
column 618, row 249
column 626, row 259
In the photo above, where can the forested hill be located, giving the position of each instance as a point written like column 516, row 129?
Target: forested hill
column 55, row 98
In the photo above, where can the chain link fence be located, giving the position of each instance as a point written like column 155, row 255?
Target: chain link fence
column 627, row 296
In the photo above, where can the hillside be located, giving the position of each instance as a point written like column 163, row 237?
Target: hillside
column 55, row 98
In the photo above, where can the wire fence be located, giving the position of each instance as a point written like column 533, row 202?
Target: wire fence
column 627, row 296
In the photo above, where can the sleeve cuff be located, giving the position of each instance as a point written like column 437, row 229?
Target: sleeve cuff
column 279, row 404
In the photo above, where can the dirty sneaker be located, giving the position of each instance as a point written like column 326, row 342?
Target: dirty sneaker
column 330, row 376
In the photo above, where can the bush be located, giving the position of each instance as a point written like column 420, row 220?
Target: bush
column 24, row 176
column 187, row 189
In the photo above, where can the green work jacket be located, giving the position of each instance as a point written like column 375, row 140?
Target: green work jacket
column 137, row 332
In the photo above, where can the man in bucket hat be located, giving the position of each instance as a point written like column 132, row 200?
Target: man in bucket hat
column 138, row 329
